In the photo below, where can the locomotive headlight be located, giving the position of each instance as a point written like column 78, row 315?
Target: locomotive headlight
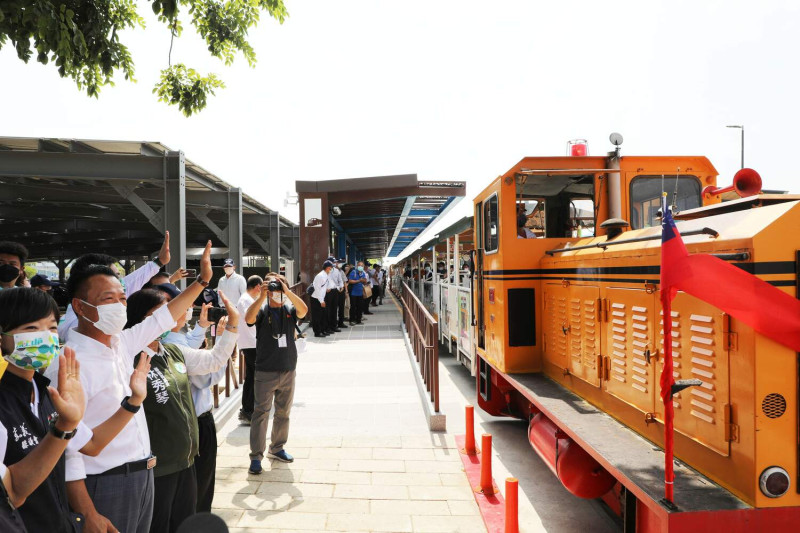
column 774, row 482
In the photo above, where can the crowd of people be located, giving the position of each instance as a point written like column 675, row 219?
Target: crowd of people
column 105, row 409
column 343, row 290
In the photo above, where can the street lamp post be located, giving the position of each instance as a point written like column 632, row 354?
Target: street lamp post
column 740, row 127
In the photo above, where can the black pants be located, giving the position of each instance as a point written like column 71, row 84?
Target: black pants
column 332, row 306
column 175, row 500
column 365, row 304
column 318, row 317
column 376, row 292
column 205, row 464
column 247, row 387
column 340, row 307
column 355, row 308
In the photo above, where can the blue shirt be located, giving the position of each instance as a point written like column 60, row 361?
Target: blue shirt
column 357, row 288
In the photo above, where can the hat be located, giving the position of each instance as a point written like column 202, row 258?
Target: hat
column 327, row 264
column 228, row 263
column 168, row 288
column 41, row 280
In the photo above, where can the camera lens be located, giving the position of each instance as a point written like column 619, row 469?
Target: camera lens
column 274, row 286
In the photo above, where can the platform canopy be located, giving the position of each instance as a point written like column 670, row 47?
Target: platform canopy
column 378, row 216
column 65, row 197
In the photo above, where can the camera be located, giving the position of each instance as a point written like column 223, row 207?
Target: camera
column 275, row 286
column 215, row 314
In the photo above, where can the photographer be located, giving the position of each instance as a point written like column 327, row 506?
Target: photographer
column 276, row 361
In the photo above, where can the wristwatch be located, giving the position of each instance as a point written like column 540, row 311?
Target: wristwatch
column 128, row 407
column 157, row 261
column 57, row 433
column 201, row 281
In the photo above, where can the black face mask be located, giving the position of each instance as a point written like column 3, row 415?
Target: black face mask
column 8, row 273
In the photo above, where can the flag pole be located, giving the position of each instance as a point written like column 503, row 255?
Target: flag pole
column 666, row 375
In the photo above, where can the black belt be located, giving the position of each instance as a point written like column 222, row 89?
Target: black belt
column 129, row 468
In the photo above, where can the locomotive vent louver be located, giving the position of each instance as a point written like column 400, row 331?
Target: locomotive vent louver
column 774, row 405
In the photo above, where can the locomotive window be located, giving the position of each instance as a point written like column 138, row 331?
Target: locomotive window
column 646, row 197
column 490, row 225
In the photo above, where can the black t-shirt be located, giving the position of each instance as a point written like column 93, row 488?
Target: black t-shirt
column 273, row 326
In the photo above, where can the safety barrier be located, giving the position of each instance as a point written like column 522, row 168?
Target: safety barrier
column 423, row 332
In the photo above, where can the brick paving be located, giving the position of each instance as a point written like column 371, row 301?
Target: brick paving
column 364, row 458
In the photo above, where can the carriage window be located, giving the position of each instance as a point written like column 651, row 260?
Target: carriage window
column 490, row 225
column 646, row 197
column 581, row 217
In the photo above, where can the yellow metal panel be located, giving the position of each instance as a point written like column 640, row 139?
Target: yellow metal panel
column 584, row 333
column 699, row 351
column 556, row 324
column 629, row 340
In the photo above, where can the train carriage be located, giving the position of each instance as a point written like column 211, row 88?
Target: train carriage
column 568, row 335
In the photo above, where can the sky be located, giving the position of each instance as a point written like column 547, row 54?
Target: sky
column 450, row 90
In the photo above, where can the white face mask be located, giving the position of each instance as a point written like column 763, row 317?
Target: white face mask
column 111, row 317
column 277, row 297
column 189, row 313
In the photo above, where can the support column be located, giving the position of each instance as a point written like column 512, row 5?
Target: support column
column 274, row 242
column 296, row 250
column 457, row 261
column 341, row 245
column 234, row 230
column 175, row 209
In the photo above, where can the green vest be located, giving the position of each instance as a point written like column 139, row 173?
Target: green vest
column 169, row 410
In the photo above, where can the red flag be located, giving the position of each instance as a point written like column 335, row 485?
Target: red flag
column 768, row 310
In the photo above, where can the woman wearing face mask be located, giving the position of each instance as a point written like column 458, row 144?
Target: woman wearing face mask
column 37, row 422
column 169, row 410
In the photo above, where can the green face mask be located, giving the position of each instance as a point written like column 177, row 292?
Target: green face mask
column 164, row 335
column 33, row 350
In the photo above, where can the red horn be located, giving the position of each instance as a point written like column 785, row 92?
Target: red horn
column 746, row 182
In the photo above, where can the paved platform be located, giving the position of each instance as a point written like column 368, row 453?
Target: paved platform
column 365, row 459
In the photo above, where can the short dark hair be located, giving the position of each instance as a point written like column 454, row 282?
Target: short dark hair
column 141, row 302
column 23, row 305
column 76, row 284
column 87, row 260
column 254, row 281
column 14, row 248
column 160, row 274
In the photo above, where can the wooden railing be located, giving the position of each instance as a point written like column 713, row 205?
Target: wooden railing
column 423, row 332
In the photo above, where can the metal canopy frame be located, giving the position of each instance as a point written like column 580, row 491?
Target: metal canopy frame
column 371, row 217
column 65, row 197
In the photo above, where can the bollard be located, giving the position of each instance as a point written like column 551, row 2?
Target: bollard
column 512, row 505
column 486, row 486
column 469, row 437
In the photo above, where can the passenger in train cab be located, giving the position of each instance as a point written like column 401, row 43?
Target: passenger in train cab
column 12, row 263
column 130, row 283
column 523, row 232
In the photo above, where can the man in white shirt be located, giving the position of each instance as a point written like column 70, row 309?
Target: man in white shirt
column 232, row 284
column 319, row 314
column 336, row 286
column 120, row 478
column 130, row 283
column 247, row 343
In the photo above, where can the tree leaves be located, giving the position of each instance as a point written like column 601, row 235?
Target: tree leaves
column 80, row 38
column 186, row 88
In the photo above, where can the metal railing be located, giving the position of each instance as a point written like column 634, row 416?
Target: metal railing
column 423, row 332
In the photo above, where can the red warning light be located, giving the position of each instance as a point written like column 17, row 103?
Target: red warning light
column 578, row 148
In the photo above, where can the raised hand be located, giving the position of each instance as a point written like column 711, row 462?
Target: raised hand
column 163, row 254
column 205, row 263
column 68, row 399
column 138, row 381
column 179, row 274
column 221, row 326
column 203, row 320
column 233, row 312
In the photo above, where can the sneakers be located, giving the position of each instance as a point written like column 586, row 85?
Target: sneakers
column 255, row 467
column 281, row 456
column 245, row 418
